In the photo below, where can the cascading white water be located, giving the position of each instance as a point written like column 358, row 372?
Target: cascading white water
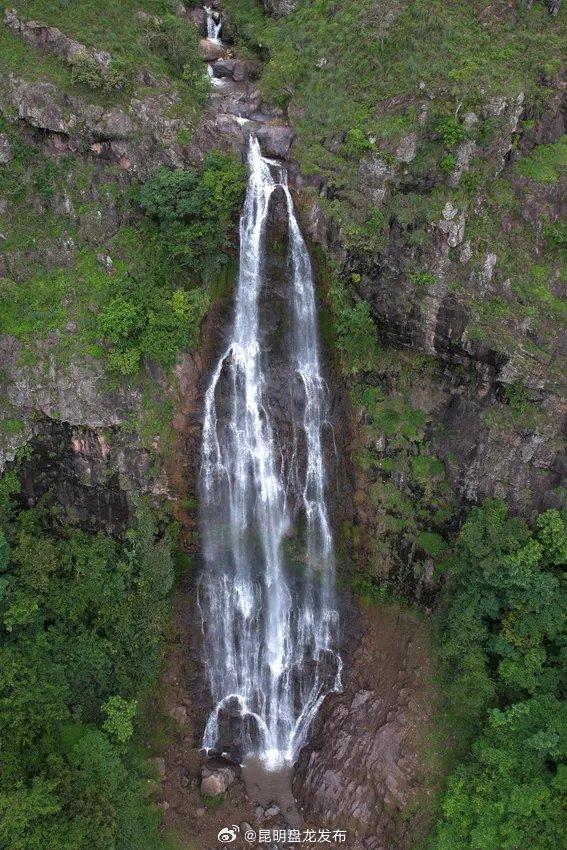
column 214, row 24
column 270, row 626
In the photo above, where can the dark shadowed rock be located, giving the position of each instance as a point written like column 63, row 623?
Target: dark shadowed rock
column 235, row 69
column 238, row 731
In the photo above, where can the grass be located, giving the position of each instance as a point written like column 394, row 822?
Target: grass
column 115, row 27
column 547, row 164
column 339, row 67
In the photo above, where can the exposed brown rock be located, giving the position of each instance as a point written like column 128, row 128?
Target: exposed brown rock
column 360, row 771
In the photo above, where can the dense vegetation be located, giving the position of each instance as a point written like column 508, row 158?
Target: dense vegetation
column 81, row 619
column 150, row 315
column 138, row 292
column 503, row 648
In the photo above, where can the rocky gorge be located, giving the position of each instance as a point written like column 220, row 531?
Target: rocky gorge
column 465, row 399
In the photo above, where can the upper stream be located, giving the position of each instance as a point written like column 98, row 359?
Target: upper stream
column 267, row 594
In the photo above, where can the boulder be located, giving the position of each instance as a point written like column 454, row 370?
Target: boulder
column 159, row 765
column 179, row 714
column 235, row 69
column 198, row 16
column 211, row 51
column 407, row 148
column 275, row 140
column 217, row 777
column 374, row 178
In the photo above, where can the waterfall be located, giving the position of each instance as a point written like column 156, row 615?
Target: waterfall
column 270, row 621
column 214, row 24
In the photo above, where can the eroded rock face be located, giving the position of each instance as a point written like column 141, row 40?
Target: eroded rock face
column 138, row 138
column 360, row 769
column 80, row 451
column 280, row 8
column 52, row 40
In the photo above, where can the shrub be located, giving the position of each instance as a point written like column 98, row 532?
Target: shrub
column 81, row 620
column 423, row 278
column 196, row 210
column 176, row 41
column 144, row 322
column 450, row 130
column 431, row 543
column 356, row 143
column 86, row 71
column 448, row 163
column 120, row 714
column 355, row 331
column 503, row 649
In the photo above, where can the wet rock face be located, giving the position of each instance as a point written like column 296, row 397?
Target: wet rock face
column 73, row 466
column 238, row 732
column 359, row 770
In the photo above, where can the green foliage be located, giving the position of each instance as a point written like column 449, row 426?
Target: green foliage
column 504, row 645
column 431, row 543
column 450, row 131
column 120, row 714
column 144, row 322
column 556, row 235
column 86, row 71
column 82, row 618
column 423, row 278
column 344, row 98
column 196, row 211
column 176, row 41
column 424, row 467
column 448, row 163
column 191, row 230
column 355, row 331
column 356, row 143
column 12, row 426
column 546, row 164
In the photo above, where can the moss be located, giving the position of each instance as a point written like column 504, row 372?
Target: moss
column 12, row 426
column 425, row 467
column 546, row 164
column 433, row 544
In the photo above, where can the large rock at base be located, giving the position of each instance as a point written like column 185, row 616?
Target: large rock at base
column 360, row 769
column 238, row 731
column 217, row 777
column 275, row 140
column 211, row 51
